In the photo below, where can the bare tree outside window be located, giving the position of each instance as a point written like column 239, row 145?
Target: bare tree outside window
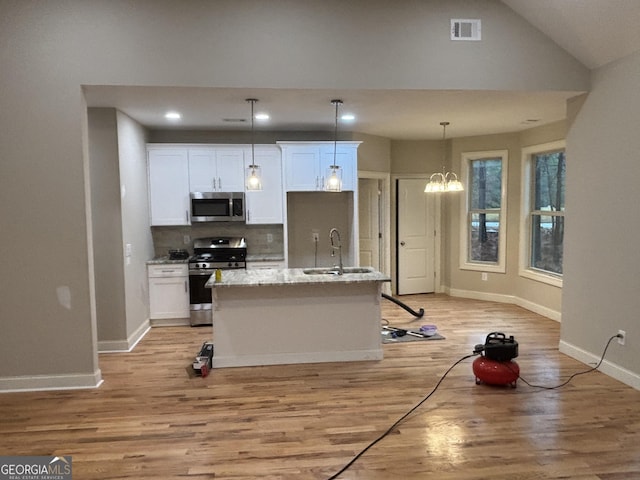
column 485, row 198
column 547, row 214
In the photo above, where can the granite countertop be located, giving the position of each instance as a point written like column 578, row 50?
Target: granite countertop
column 290, row 276
column 164, row 260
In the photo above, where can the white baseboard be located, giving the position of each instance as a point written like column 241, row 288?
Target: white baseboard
column 511, row 299
column 170, row 322
column 608, row 368
column 33, row 383
column 113, row 346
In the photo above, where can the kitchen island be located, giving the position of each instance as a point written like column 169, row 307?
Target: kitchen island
column 284, row 316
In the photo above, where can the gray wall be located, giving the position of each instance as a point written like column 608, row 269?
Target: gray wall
column 48, row 50
column 602, row 258
column 107, row 224
column 119, row 214
column 425, row 157
column 508, row 286
column 319, row 211
column 133, row 195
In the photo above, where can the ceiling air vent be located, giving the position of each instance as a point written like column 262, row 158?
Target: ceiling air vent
column 466, row 29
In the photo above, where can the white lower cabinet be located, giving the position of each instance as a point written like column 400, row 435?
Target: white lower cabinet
column 168, row 291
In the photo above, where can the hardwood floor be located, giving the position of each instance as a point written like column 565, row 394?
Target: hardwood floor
column 152, row 420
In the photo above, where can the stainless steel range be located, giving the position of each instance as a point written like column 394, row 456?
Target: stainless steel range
column 210, row 254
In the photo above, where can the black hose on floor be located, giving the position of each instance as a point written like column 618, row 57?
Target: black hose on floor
column 418, row 314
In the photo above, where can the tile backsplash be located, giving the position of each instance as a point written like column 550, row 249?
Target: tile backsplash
column 261, row 239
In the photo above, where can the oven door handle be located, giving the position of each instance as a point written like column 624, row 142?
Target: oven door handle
column 197, row 273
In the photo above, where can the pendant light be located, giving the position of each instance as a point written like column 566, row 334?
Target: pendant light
column 254, row 178
column 333, row 178
column 445, row 181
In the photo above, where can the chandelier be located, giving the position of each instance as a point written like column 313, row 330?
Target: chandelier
column 445, row 181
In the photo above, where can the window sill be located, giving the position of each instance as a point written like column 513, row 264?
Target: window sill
column 483, row 267
column 538, row 276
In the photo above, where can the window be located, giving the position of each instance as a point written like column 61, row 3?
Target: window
column 542, row 223
column 484, row 211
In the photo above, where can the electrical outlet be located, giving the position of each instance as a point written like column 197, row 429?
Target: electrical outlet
column 484, row 277
column 186, row 239
column 315, row 236
column 269, row 237
column 622, row 336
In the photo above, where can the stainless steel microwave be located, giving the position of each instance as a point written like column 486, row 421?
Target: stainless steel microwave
column 217, row 207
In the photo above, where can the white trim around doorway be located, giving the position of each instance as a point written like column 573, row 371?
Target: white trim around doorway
column 385, row 206
column 438, row 234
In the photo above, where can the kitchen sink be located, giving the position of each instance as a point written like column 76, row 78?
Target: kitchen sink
column 334, row 270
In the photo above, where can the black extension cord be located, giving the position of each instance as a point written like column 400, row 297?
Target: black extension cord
column 544, row 387
column 475, row 353
column 390, row 429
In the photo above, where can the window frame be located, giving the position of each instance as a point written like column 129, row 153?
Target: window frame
column 527, row 188
column 464, row 262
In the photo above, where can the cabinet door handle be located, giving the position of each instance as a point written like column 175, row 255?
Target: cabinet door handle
column 185, row 287
column 186, row 215
column 219, row 184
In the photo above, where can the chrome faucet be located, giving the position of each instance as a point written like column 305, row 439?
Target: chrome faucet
column 334, row 247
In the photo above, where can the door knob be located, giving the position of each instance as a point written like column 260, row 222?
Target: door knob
column 402, row 243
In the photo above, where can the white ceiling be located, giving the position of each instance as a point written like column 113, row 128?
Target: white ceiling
column 596, row 32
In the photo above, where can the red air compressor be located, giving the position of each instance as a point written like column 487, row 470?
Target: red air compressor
column 494, row 365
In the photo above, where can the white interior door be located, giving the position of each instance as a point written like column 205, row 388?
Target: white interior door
column 415, row 237
column 369, row 221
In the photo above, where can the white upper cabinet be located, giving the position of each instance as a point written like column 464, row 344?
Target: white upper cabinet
column 302, row 167
column 306, row 164
column 168, row 186
column 265, row 206
column 346, row 157
column 216, row 169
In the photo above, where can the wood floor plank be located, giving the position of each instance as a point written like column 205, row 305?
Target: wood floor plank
column 151, row 419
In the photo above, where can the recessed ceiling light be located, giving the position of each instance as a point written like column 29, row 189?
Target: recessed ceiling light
column 172, row 116
column 348, row 117
column 262, row 116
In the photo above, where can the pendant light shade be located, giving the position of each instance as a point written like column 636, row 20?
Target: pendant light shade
column 333, row 176
column 254, row 177
column 445, row 181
